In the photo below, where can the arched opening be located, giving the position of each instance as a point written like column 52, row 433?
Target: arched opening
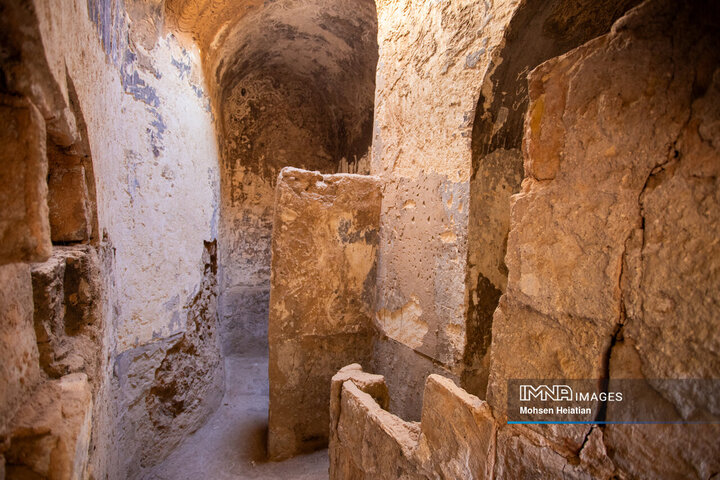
column 538, row 31
column 294, row 87
column 291, row 84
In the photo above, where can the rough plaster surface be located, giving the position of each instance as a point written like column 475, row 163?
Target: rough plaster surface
column 432, row 58
column 321, row 298
column 142, row 110
column 168, row 388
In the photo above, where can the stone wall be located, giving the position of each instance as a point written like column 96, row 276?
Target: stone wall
column 433, row 56
column 611, row 268
column 611, row 252
column 539, row 30
column 292, row 85
column 121, row 112
column 321, row 299
column 454, row 439
column 450, row 103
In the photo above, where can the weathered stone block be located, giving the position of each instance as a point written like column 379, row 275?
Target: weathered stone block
column 456, row 438
column 66, row 291
column 373, row 385
column 519, row 457
column 458, row 432
column 68, row 200
column 19, row 369
column 24, row 226
column 50, row 435
column 613, row 243
column 373, row 443
column 321, row 298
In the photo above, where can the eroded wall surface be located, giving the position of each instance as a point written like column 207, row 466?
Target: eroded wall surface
column 113, row 87
column 454, row 439
column 539, row 30
column 433, row 56
column 611, row 260
column 321, row 301
column 612, row 255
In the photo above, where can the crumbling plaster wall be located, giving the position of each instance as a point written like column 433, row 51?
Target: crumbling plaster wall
column 433, row 56
column 155, row 162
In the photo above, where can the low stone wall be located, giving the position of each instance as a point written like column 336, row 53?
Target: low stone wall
column 321, row 298
column 455, row 438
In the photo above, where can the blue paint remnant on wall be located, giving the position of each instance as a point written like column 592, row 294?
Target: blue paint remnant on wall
column 132, row 161
column 214, row 183
column 134, row 85
column 109, row 19
column 113, row 30
column 183, row 68
column 155, row 132
column 473, row 59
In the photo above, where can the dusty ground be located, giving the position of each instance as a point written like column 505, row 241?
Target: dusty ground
column 231, row 445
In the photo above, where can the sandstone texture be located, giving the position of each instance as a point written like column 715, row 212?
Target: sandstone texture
column 321, row 299
column 70, row 211
column 24, row 225
column 432, row 56
column 169, row 388
column 455, row 439
column 66, row 293
column 50, row 436
column 604, row 249
column 537, row 31
column 19, row 369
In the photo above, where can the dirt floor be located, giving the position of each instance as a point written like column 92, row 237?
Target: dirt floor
column 231, row 445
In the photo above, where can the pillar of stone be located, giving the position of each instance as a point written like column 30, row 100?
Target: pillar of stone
column 324, row 251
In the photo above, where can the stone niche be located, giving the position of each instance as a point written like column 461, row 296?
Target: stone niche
column 454, row 439
column 67, row 322
column 324, row 251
